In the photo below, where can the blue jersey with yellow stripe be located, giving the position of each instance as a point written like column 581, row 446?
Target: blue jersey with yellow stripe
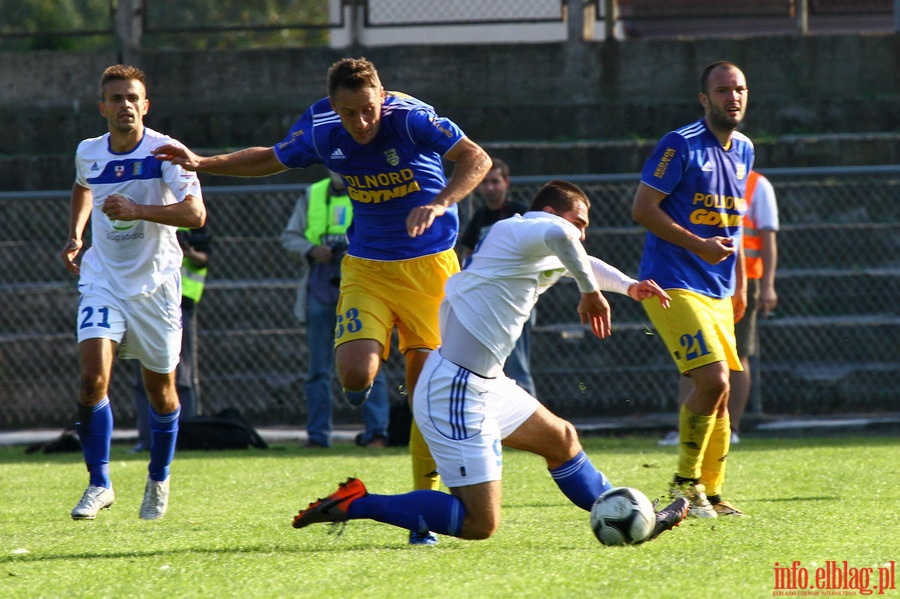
column 398, row 170
column 704, row 183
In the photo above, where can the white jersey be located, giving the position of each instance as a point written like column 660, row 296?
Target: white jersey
column 131, row 258
column 763, row 207
column 519, row 259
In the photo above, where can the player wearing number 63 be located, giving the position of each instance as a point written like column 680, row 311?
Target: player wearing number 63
column 389, row 149
column 467, row 409
column 691, row 201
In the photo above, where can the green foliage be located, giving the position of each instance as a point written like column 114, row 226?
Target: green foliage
column 266, row 15
column 228, row 530
column 176, row 24
column 48, row 20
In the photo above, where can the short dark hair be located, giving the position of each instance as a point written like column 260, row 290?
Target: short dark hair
column 560, row 195
column 498, row 164
column 121, row 72
column 353, row 74
column 704, row 77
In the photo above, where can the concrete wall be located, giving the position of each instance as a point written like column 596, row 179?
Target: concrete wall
column 525, row 94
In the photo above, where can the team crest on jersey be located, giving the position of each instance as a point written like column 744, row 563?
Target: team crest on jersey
column 137, row 168
column 741, row 171
column 120, row 170
column 392, row 157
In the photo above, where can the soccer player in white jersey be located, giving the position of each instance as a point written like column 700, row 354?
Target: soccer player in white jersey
column 467, row 408
column 129, row 281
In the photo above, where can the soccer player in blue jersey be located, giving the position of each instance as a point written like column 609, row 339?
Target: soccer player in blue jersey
column 129, row 281
column 691, row 201
column 388, row 147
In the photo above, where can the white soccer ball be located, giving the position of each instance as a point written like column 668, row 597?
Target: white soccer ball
column 622, row 516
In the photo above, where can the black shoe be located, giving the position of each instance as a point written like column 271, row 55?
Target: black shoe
column 670, row 516
column 374, row 440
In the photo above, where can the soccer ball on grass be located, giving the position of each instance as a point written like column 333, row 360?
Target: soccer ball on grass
column 622, row 516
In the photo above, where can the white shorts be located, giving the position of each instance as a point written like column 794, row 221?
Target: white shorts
column 147, row 328
column 464, row 418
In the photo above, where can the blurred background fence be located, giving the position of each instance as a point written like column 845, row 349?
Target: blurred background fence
column 833, row 345
column 210, row 24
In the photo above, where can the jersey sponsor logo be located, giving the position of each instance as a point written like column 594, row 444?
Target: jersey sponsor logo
column 707, row 168
column 392, row 157
column 375, row 189
column 294, row 135
column 337, row 155
column 714, row 211
column 715, row 219
column 122, row 225
column 714, row 200
column 95, row 167
column 663, row 165
column 124, row 236
column 437, row 126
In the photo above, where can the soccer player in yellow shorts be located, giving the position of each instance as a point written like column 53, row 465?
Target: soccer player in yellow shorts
column 691, row 201
column 389, row 148
column 378, row 296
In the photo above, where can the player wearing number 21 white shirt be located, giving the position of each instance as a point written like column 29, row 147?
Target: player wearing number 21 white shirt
column 465, row 406
column 129, row 282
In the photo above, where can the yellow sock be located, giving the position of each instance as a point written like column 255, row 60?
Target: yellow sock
column 712, row 471
column 425, row 476
column 694, row 431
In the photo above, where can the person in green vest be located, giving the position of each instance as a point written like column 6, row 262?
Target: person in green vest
column 316, row 237
column 196, row 244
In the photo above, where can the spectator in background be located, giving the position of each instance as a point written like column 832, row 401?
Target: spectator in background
column 499, row 204
column 316, row 237
column 196, row 244
column 761, row 260
column 129, row 281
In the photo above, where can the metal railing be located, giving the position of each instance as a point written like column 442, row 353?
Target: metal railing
column 127, row 24
column 833, row 343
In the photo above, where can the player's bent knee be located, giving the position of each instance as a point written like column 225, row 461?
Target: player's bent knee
column 478, row 531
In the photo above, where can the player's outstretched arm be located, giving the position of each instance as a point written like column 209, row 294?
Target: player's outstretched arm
column 249, row 162
column 646, row 289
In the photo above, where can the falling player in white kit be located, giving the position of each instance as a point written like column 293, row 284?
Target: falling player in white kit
column 129, row 281
column 467, row 408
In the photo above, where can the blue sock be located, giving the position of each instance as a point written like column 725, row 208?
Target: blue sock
column 95, row 426
column 580, row 481
column 357, row 398
column 163, row 434
column 420, row 511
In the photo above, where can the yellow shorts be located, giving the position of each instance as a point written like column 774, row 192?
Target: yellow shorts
column 378, row 296
column 697, row 330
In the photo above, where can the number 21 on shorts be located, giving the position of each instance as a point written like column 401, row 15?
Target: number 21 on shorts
column 694, row 345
